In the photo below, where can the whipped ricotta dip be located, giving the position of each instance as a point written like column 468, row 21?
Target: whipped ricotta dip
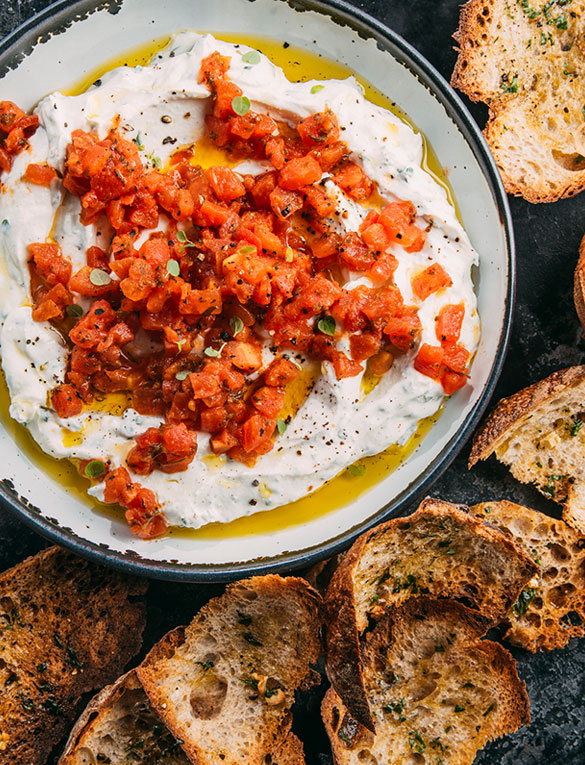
column 337, row 423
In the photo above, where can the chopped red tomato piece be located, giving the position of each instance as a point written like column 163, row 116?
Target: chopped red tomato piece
column 319, row 129
column 66, row 401
column 398, row 218
column 352, row 179
column 39, row 175
column 225, row 184
column 299, row 172
column 255, row 431
column 449, row 321
column 429, row 361
column 268, row 400
column 50, row 263
column 432, row 279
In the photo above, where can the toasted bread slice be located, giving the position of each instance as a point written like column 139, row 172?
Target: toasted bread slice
column 551, row 609
column 440, row 550
column 66, row 627
column 525, row 59
column 538, row 434
column 437, row 691
column 120, row 726
column 225, row 686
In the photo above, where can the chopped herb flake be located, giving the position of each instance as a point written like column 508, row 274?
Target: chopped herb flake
column 236, row 325
column 173, row 268
column 252, row 57
column 524, row 600
column 99, row 277
column 74, row 310
column 241, row 105
column 94, row 469
column 327, row 325
column 317, row 89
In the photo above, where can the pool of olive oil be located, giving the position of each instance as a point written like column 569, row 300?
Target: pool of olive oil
column 298, row 65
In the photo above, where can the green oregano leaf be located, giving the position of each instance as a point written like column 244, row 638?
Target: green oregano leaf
column 94, row 469
column 236, row 325
column 357, row 470
column 326, row 325
column 281, row 425
column 99, row 277
column 317, row 89
column 251, row 57
column 212, row 352
column 173, row 268
column 74, row 310
column 241, row 105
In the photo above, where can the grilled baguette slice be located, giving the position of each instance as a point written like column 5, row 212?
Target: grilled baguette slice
column 120, row 726
column 537, row 433
column 551, row 609
column 66, row 627
column 438, row 692
column 441, row 550
column 225, row 685
column 525, row 60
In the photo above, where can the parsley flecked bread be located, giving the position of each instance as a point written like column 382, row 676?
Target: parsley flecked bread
column 225, row 684
column 538, row 434
column 525, row 59
column 551, row 609
column 66, row 627
column 440, row 550
column 438, row 692
column 120, row 726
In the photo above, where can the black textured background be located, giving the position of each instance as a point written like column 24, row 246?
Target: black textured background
column 547, row 336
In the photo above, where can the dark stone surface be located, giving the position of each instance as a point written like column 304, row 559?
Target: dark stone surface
column 546, row 336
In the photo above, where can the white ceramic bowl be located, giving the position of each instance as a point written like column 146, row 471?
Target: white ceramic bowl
column 69, row 40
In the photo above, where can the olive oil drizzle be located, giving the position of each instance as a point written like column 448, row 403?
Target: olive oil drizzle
column 298, row 65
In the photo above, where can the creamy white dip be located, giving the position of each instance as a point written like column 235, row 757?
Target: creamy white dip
column 337, row 424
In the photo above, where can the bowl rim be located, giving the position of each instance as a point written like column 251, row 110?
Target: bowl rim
column 390, row 41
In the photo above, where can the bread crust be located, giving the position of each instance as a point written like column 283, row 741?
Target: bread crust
column 579, row 285
column 509, row 411
column 343, row 634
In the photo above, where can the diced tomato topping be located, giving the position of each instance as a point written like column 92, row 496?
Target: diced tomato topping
column 281, row 372
column 398, row 218
column 352, row 179
column 66, row 401
column 432, row 279
column 255, row 431
column 429, row 361
column 142, row 512
column 268, row 400
column 299, row 172
column 449, row 321
column 39, row 175
column 380, row 363
column 201, row 275
column 319, row 129
column 50, row 263
column 225, row 184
